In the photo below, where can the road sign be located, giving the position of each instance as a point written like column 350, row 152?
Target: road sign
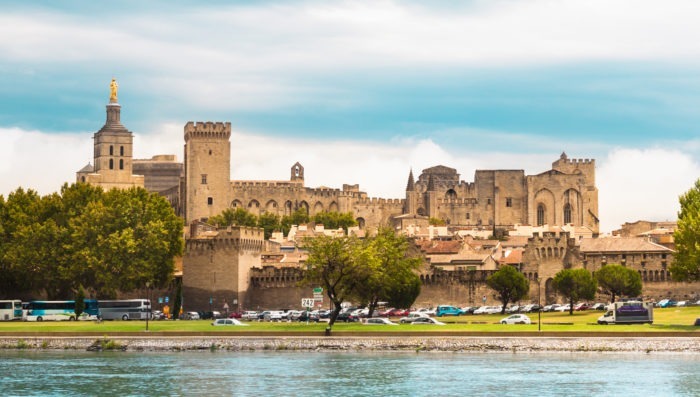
column 160, row 299
column 167, row 299
column 307, row 302
column 318, row 290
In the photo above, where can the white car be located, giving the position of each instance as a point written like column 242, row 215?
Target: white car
column 516, row 319
column 273, row 315
column 249, row 315
column 562, row 308
column 412, row 317
column 227, row 321
column 192, row 316
column 379, row 321
column 488, row 310
column 426, row 321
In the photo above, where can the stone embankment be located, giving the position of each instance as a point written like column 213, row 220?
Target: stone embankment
column 354, row 344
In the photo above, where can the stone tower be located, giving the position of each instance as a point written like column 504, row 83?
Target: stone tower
column 411, row 195
column 113, row 152
column 207, row 169
column 297, row 173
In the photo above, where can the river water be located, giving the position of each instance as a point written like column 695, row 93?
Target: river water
column 59, row 373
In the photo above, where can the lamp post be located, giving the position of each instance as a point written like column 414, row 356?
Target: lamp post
column 539, row 306
column 148, row 296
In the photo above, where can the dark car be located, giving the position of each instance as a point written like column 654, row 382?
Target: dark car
column 209, row 315
column 346, row 317
column 307, row 316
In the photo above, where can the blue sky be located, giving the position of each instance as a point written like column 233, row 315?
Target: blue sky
column 363, row 91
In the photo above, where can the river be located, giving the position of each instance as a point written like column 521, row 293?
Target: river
column 76, row 373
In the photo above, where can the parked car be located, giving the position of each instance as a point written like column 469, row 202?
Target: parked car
column 191, row 316
column 488, row 310
column 667, row 303
column 158, row 315
column 531, row 308
column 274, row 315
column 412, row 317
column 598, row 306
column 550, row 308
column 249, row 315
column 516, row 319
column 426, row 321
column 582, row 306
column 308, row 316
column 445, row 310
column 227, row 321
column 379, row 321
column 468, row 309
column 347, row 317
column 562, row 308
column 236, row 315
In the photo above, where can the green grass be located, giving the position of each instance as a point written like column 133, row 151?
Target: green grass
column 665, row 320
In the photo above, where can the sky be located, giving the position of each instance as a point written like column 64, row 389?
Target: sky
column 364, row 91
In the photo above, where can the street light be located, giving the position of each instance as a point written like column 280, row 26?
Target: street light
column 539, row 305
column 148, row 296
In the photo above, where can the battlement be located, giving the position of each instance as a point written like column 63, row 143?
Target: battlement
column 209, row 129
column 379, row 201
column 578, row 161
column 470, row 201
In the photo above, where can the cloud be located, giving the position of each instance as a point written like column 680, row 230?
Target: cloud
column 643, row 184
column 633, row 183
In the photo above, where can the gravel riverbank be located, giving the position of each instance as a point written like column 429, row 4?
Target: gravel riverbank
column 352, row 344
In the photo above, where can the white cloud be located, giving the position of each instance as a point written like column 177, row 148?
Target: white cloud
column 643, row 184
column 633, row 183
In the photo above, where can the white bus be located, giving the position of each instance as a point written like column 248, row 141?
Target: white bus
column 129, row 309
column 10, row 310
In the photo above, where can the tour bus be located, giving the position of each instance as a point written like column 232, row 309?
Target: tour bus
column 61, row 310
column 10, row 310
column 129, row 309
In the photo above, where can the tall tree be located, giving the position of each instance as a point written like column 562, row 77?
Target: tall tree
column 509, row 284
column 298, row 217
column 686, row 264
column 386, row 270
column 617, row 280
column 575, row 284
column 79, row 302
column 335, row 220
column 331, row 264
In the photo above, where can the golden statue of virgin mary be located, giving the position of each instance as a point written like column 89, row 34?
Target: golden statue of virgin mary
column 113, row 88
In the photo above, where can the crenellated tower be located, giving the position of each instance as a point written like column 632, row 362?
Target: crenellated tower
column 207, row 169
column 411, row 205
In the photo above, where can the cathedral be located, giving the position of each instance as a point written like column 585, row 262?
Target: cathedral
column 201, row 186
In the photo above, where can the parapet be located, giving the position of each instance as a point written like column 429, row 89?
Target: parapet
column 209, row 129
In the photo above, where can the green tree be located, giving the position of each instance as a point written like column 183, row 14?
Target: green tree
column 234, row 217
column 335, row 220
column 177, row 302
column 436, row 221
column 575, row 284
column 386, row 270
column 298, row 217
column 509, row 284
column 79, row 302
column 269, row 222
column 331, row 264
column 617, row 280
column 686, row 264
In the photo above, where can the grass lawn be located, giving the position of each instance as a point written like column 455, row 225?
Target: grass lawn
column 668, row 320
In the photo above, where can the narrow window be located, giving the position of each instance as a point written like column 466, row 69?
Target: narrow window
column 210, row 200
column 204, row 179
column 509, row 202
column 111, row 162
column 121, row 164
column 468, row 215
column 488, row 201
column 121, row 150
column 567, row 213
column 540, row 215
column 111, row 150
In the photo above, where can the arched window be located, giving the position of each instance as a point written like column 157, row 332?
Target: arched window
column 451, row 194
column 111, row 162
column 121, row 164
column 296, row 171
column 121, row 150
column 111, row 150
column 540, row 215
column 567, row 213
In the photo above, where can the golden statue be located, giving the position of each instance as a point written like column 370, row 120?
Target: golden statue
column 113, row 88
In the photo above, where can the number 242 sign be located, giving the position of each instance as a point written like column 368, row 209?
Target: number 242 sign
column 307, row 302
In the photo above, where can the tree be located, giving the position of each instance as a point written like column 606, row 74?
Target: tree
column 616, row 280
column 269, row 222
column 386, row 271
column 575, row 284
column 177, row 302
column 234, row 217
column 509, row 284
column 335, row 220
column 331, row 264
column 686, row 264
column 436, row 221
column 298, row 217
column 79, row 302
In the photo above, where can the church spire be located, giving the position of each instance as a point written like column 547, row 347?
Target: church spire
column 431, row 184
column 410, row 185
